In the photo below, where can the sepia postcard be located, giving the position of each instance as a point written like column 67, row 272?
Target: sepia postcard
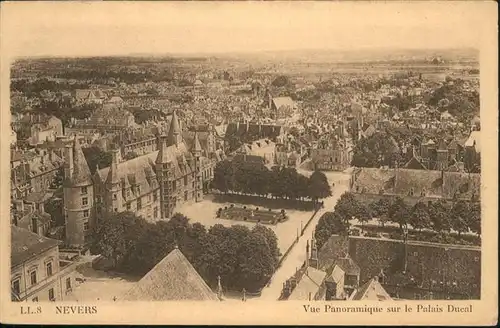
column 298, row 163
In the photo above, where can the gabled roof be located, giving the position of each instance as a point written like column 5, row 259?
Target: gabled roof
column 333, row 249
column 415, row 163
column 372, row 290
column 348, row 265
column 26, row 245
column 403, row 182
column 474, row 141
column 337, row 275
column 309, row 284
column 172, row 279
column 283, row 101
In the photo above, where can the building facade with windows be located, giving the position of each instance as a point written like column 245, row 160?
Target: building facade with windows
column 152, row 185
column 37, row 271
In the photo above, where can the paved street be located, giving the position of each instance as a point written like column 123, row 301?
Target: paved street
column 297, row 256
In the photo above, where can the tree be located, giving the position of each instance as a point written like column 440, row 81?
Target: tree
column 329, row 224
column 374, row 151
column 271, row 239
column 223, row 176
column 280, row 81
column 116, row 236
column 380, row 210
column 460, row 214
column 55, row 207
column 243, row 258
column 58, row 179
column 259, row 179
column 439, row 215
column 277, row 183
column 419, row 218
column 346, row 207
column 363, row 215
column 474, row 222
column 255, row 262
column 399, row 213
column 95, row 156
column 319, row 187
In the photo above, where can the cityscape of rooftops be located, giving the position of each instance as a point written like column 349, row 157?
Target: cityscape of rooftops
column 341, row 173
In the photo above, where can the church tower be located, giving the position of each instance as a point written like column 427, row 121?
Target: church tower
column 174, row 133
column 165, row 175
column 198, row 168
column 113, row 195
column 78, row 196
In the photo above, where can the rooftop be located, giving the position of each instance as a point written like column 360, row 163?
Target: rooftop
column 26, row 245
column 173, row 278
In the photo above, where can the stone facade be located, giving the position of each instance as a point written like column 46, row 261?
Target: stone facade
column 37, row 272
column 151, row 185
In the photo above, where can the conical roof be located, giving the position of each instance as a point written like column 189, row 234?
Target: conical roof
column 197, row 145
column 81, row 172
column 174, row 131
column 113, row 177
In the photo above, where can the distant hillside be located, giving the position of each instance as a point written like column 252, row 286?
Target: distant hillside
column 367, row 55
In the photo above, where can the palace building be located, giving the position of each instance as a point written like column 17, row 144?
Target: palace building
column 152, row 185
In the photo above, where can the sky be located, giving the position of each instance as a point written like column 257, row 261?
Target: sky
column 112, row 28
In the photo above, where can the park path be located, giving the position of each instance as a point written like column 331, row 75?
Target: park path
column 297, row 255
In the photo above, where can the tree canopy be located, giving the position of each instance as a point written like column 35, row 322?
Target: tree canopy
column 95, row 156
column 330, row 223
column 318, row 187
column 243, row 257
column 375, row 151
column 280, row 81
column 279, row 182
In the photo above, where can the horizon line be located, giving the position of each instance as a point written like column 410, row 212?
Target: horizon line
column 244, row 52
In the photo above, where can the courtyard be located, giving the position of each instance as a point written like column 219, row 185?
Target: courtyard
column 204, row 212
column 99, row 285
